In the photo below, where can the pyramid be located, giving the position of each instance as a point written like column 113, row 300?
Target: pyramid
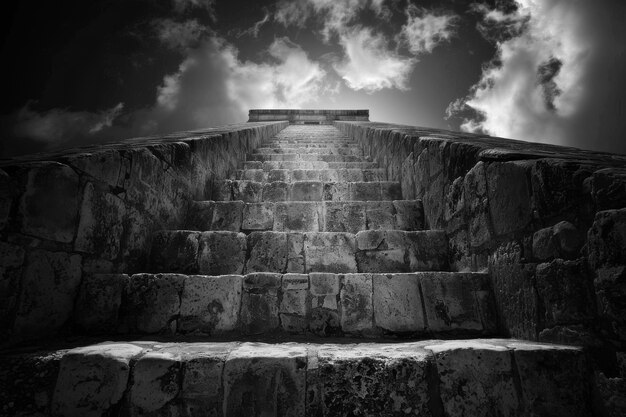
column 313, row 263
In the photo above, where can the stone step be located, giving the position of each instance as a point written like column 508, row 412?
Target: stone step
column 257, row 192
column 270, row 165
column 419, row 305
column 480, row 377
column 313, row 140
column 221, row 253
column 311, row 145
column 324, row 175
column 299, row 216
column 304, row 157
column 330, row 149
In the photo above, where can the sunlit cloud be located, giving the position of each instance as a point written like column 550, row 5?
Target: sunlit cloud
column 370, row 65
column 424, row 31
column 547, row 81
column 179, row 35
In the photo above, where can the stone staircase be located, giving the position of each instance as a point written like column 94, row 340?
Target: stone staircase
column 308, row 286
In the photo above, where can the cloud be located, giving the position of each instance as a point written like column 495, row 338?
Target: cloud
column 370, row 65
column 424, row 31
column 254, row 29
column 559, row 80
column 336, row 16
column 181, row 6
column 179, row 35
column 58, row 126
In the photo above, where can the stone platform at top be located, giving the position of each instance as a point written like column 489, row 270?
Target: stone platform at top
column 308, row 116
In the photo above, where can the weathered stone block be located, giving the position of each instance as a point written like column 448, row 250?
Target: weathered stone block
column 210, row 304
column 356, row 303
column 554, row 379
column 93, row 379
column 295, row 254
column 98, row 303
column 509, row 196
column 153, row 302
column 381, row 251
column 201, row 388
column 409, row 215
column 297, row 217
column 427, row 250
column 49, row 286
column 610, row 287
column 49, row 206
column 324, row 317
column 268, row 252
column 175, row 251
column 565, row 289
column 247, row 191
column 265, row 380
column 276, row 191
column 451, row 300
column 379, row 215
column 200, row 215
column 390, row 191
column 258, row 217
column 11, row 260
column 365, row 191
column 279, row 175
column 221, row 253
column 373, row 380
column 6, row 198
column 156, row 382
column 344, row 217
column 260, row 303
column 607, row 239
column 562, row 240
column 227, row 215
column 475, row 378
column 306, row 191
column 337, row 191
column 514, row 284
column 222, row 190
column 101, row 226
column 294, row 304
column 329, row 252
column 397, row 303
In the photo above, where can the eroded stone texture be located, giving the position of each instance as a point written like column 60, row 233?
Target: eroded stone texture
column 324, row 317
column 357, row 311
column 476, row 378
column 153, row 302
column 397, row 303
column 93, row 379
column 509, row 196
column 342, row 217
column 427, row 250
column 156, row 382
column 260, row 303
column 380, row 380
column 565, row 290
column 329, row 252
column 610, row 287
column 476, row 204
column 382, row 251
column 263, row 380
column 221, row 253
column 175, row 251
column 409, row 214
column 11, row 260
column 554, row 379
column 297, row 217
column 563, row 240
column 294, row 305
column 200, row 215
column 258, row 217
column 49, row 286
column 452, row 301
column 6, row 198
column 102, row 222
column 514, row 283
column 98, row 303
column 607, row 238
column 49, row 206
column 210, row 304
column 227, row 216
column 268, row 252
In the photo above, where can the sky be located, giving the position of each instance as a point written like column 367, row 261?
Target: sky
column 81, row 72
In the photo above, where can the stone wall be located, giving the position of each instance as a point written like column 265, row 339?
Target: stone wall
column 65, row 216
column 547, row 222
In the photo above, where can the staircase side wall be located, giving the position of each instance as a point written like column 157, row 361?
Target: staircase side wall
column 93, row 210
column 548, row 222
